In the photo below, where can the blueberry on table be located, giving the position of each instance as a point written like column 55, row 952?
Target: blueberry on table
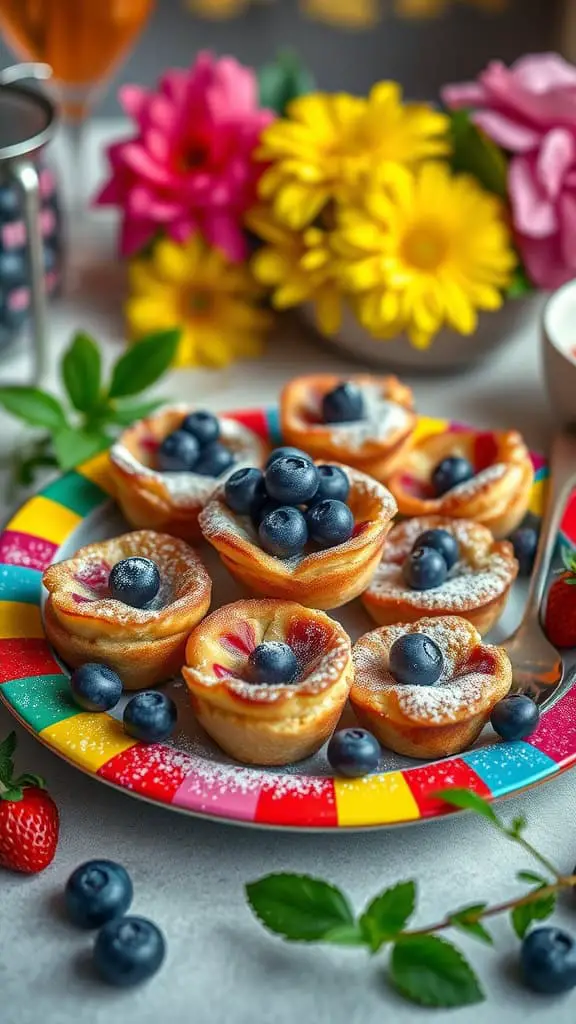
column 450, row 473
column 96, row 892
column 329, row 523
column 282, row 453
column 95, row 687
column 424, row 569
column 272, row 662
column 134, row 581
column 548, row 960
column 242, row 489
column 332, row 483
column 128, row 951
column 293, row 480
column 442, row 541
column 178, row 453
column 515, row 717
column 214, row 460
column 203, row 426
column 525, row 541
column 150, row 716
column 344, row 404
column 283, row 532
column 416, row 660
column 353, row 752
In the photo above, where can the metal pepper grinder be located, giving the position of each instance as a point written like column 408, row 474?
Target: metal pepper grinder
column 27, row 122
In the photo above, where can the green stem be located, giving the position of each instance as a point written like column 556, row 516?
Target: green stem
column 537, row 856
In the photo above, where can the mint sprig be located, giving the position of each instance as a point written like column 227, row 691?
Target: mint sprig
column 423, row 966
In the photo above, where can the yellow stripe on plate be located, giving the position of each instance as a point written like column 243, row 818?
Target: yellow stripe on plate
column 375, row 800
column 46, row 519
column 98, row 471
column 88, row 740
column 19, row 620
column 426, row 427
column 537, row 495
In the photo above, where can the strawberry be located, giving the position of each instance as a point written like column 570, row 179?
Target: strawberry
column 560, row 618
column 28, row 817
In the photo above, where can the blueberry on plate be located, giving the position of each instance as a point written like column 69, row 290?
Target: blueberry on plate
column 150, row 716
column 525, row 541
column 95, row 687
column 353, row 752
column 515, row 716
column 442, row 541
column 242, row 489
column 416, row 660
column 97, row 892
column 284, row 452
column 332, row 483
column 128, row 951
column 548, row 960
column 134, row 581
column 178, row 453
column 450, row 472
column 283, row 532
column 329, row 523
column 292, row 480
column 214, row 460
column 344, row 404
column 272, row 662
column 424, row 569
column 203, row 426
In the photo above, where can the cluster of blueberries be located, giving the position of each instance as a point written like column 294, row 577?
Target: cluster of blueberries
column 434, row 553
column 128, row 949
column 292, row 502
column 195, row 448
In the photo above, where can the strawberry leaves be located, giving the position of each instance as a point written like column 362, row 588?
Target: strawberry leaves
column 11, row 788
column 569, row 563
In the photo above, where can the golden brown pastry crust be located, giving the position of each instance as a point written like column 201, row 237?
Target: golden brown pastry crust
column 145, row 646
column 322, row 579
column 477, row 587
column 429, row 721
column 375, row 455
column 268, row 724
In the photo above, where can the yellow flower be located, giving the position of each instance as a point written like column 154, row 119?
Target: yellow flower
column 216, row 303
column 329, row 142
column 425, row 248
column 297, row 266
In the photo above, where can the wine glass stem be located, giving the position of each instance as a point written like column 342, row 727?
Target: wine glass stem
column 75, row 145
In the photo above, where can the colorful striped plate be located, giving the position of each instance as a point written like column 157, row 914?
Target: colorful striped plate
column 190, row 774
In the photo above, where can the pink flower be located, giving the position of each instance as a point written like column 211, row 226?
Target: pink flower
column 530, row 110
column 189, row 165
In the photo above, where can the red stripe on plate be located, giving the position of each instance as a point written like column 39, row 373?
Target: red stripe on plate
column 297, row 800
column 23, row 549
column 254, row 419
column 154, row 770
column 452, row 774
column 569, row 519
column 22, row 658
column 556, row 734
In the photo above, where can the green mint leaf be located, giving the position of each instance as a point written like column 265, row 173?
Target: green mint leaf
column 532, row 878
column 298, row 907
column 75, row 446
column 537, row 910
column 517, row 827
column 144, row 363
column 466, row 800
column 345, row 935
column 388, row 914
column 431, row 972
column 283, row 81
column 520, row 284
column 81, row 372
column 34, row 406
column 124, row 415
column 7, row 749
column 474, row 153
column 466, row 921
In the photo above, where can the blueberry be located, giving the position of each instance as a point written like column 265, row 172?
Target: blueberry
column 515, row 716
column 203, row 426
column 441, row 541
column 353, row 752
column 424, row 569
column 282, row 453
column 450, row 472
column 134, row 581
column 178, row 453
column 214, row 460
column 9, row 203
column 242, row 490
column 13, row 268
column 95, row 687
column 548, row 960
column 332, row 483
column 283, row 532
column 330, row 522
column 292, row 480
column 128, row 951
column 260, row 510
column 150, row 716
column 97, row 892
column 416, row 660
column 344, row 404
column 272, row 662
column 525, row 542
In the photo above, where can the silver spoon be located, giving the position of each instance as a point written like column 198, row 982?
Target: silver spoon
column 536, row 665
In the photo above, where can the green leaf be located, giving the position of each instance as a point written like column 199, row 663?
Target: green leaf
column 537, row 910
column 34, row 406
column 25, row 469
column 30, row 779
column 14, row 795
column 531, row 877
column 517, row 827
column 466, row 800
column 345, row 935
column 568, row 557
column 519, row 285
column 388, row 914
column 75, row 446
column 431, row 972
column 124, row 415
column 283, row 81
column 144, row 363
column 7, row 750
column 474, row 153
column 465, row 921
column 81, row 372
column 300, row 908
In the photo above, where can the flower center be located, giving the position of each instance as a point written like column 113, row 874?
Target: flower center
column 424, row 247
column 198, row 303
column 192, row 157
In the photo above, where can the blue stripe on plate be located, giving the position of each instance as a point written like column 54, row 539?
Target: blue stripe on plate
column 20, row 584
column 505, row 767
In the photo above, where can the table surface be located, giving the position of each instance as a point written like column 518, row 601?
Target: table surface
column 222, row 968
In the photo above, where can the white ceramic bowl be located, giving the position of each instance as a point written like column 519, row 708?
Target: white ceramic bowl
column 559, row 352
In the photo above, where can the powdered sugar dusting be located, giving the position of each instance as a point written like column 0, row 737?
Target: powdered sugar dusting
column 486, row 476
column 382, row 419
